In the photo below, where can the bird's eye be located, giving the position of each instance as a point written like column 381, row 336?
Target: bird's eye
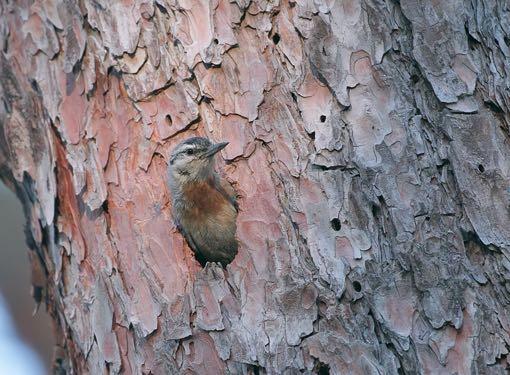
column 190, row 151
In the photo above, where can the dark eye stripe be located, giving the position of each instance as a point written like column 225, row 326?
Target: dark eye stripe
column 191, row 150
column 187, row 150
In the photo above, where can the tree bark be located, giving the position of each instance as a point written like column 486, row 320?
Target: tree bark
column 370, row 147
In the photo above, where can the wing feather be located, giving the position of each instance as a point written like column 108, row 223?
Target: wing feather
column 191, row 243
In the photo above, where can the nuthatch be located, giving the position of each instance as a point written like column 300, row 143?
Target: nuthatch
column 204, row 206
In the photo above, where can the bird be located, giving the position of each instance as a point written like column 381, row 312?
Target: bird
column 204, row 206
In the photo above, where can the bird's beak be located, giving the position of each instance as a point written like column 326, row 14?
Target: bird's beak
column 214, row 149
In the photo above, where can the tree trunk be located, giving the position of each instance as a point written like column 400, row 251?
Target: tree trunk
column 370, row 148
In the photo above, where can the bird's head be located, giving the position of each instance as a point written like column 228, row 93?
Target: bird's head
column 193, row 160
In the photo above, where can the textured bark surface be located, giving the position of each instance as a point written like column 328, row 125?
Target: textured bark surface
column 370, row 147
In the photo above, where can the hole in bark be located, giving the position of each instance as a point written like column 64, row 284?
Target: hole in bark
column 58, row 362
column 427, row 218
column 35, row 86
column 415, row 78
column 215, row 41
column 294, row 97
column 113, row 72
column 335, row 224
column 168, row 119
column 77, row 67
column 312, row 135
column 322, row 369
column 357, row 286
column 104, row 206
column 323, row 118
column 472, row 42
column 375, row 210
column 276, row 38
column 481, row 168
column 255, row 370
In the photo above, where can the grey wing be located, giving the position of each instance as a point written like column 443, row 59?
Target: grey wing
column 191, row 243
column 187, row 236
